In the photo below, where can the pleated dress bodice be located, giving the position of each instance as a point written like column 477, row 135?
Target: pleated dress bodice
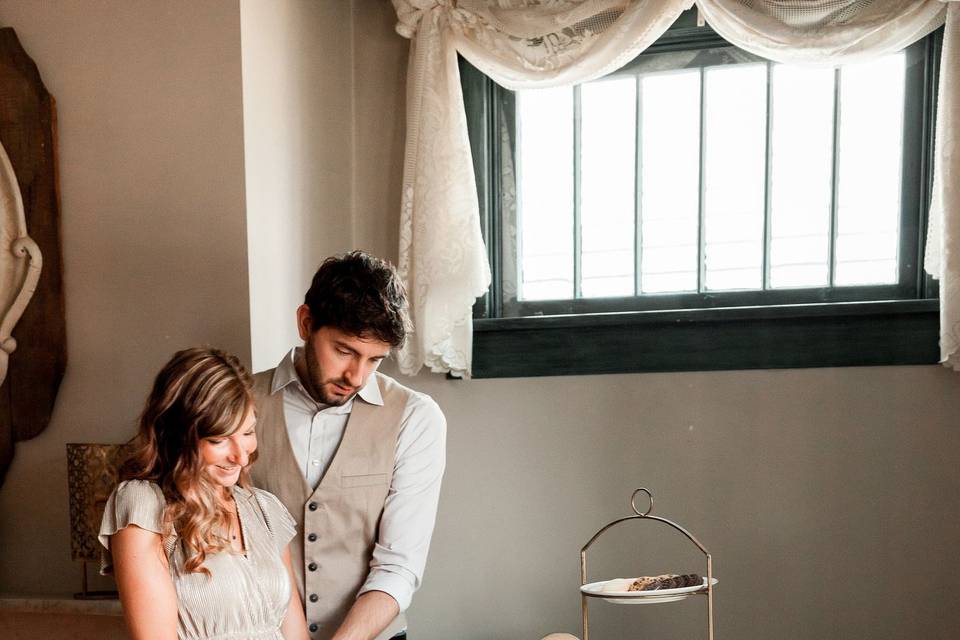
column 246, row 595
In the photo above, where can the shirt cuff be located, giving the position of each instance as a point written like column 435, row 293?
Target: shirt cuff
column 393, row 584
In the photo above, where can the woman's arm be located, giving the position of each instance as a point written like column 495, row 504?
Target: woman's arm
column 143, row 578
column 294, row 625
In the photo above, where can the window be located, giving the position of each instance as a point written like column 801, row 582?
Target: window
column 703, row 208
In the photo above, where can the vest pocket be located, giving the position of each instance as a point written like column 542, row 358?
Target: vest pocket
column 362, row 480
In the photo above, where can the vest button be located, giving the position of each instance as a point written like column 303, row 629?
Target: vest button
column 312, row 566
column 313, row 627
column 314, row 597
column 312, row 506
column 312, row 537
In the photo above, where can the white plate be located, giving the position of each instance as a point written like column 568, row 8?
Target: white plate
column 596, row 589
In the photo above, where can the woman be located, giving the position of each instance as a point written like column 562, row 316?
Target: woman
column 196, row 551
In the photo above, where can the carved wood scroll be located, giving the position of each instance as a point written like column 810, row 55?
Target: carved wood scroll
column 20, row 261
column 28, row 135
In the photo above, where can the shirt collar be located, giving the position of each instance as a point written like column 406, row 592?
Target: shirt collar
column 370, row 393
column 286, row 373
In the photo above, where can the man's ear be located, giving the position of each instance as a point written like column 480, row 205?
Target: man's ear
column 304, row 322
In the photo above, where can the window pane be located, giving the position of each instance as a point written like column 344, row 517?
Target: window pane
column 870, row 151
column 670, row 168
column 545, row 193
column 734, row 175
column 801, row 179
column 607, row 169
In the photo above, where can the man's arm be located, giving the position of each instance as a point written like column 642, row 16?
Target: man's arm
column 369, row 615
column 409, row 513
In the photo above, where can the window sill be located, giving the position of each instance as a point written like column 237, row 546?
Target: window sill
column 896, row 332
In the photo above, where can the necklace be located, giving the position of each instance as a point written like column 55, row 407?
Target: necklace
column 233, row 516
column 234, row 522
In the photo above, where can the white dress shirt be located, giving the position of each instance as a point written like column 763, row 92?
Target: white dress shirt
column 410, row 510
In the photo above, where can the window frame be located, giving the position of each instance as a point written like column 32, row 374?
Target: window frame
column 711, row 330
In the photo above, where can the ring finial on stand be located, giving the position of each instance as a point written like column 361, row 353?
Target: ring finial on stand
column 633, row 502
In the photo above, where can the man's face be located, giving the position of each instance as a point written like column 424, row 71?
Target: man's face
column 336, row 364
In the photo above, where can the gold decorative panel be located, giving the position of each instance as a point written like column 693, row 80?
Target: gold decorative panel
column 92, row 471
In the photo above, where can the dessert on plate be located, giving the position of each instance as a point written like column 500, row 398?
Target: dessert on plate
column 652, row 583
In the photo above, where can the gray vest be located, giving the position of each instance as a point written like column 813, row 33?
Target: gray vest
column 338, row 522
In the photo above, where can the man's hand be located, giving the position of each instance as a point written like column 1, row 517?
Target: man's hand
column 368, row 616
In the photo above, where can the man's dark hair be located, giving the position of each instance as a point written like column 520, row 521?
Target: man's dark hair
column 359, row 294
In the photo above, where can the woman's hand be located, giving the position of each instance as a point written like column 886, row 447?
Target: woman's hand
column 143, row 578
column 294, row 625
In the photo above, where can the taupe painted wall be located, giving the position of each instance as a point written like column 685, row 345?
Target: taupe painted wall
column 827, row 497
column 155, row 252
column 298, row 131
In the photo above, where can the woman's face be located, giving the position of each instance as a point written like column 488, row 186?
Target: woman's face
column 224, row 457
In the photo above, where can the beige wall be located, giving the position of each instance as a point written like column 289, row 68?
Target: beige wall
column 827, row 496
column 380, row 65
column 298, row 130
column 155, row 258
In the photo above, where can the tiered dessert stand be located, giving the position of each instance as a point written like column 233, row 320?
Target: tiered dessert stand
column 595, row 589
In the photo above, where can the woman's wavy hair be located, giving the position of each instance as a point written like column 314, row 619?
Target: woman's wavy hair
column 200, row 393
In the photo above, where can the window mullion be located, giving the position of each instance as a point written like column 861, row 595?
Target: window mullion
column 701, row 221
column 577, row 171
column 835, row 186
column 768, row 164
column 638, row 193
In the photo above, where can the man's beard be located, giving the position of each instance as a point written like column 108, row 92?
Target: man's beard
column 316, row 384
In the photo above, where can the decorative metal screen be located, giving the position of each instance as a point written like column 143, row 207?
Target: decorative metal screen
column 92, row 472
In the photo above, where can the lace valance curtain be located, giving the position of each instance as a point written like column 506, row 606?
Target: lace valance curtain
column 524, row 44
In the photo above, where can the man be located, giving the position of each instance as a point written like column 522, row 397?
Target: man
column 356, row 457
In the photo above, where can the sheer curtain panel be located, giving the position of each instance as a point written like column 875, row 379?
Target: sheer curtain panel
column 520, row 44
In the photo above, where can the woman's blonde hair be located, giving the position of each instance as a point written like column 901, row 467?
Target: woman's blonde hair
column 200, row 393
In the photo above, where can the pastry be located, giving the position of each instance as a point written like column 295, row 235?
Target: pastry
column 617, row 585
column 665, row 581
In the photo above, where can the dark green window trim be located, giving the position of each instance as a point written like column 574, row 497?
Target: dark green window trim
column 820, row 335
column 856, row 326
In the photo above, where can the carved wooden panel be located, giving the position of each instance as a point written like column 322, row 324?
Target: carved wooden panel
column 28, row 134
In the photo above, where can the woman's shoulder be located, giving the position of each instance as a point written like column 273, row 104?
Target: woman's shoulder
column 133, row 502
column 276, row 516
column 261, row 494
column 138, row 502
column 139, row 491
column 271, row 505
